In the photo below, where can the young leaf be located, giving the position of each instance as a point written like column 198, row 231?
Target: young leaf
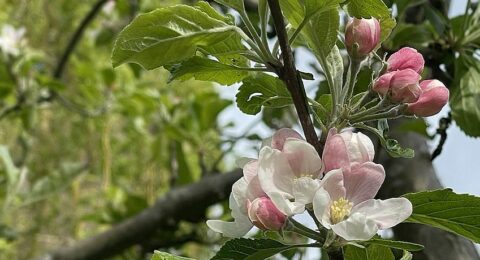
column 406, row 255
column 157, row 255
column 373, row 8
column 391, row 145
column 171, row 35
column 372, row 252
column 235, row 4
column 465, row 101
column 444, row 209
column 395, row 244
column 250, row 249
column 207, row 70
column 260, row 90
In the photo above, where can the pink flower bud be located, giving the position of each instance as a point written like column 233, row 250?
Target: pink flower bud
column 382, row 84
column 406, row 58
column 404, row 86
column 265, row 215
column 365, row 33
column 434, row 97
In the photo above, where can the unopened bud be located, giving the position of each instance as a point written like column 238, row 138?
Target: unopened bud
column 364, row 33
column 265, row 215
column 406, row 58
column 433, row 98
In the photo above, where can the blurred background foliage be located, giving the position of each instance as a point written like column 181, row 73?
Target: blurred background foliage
column 93, row 146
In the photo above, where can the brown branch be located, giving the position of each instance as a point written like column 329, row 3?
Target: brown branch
column 188, row 203
column 288, row 73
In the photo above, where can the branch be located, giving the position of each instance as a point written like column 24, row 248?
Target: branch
column 288, row 73
column 72, row 44
column 188, row 203
column 442, row 131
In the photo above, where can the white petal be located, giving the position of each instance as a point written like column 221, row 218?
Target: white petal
column 333, row 184
column 362, row 181
column 302, row 157
column 386, row 213
column 274, row 172
column 304, row 189
column 239, row 195
column 367, row 147
column 356, row 227
column 321, row 207
column 238, row 228
column 254, row 190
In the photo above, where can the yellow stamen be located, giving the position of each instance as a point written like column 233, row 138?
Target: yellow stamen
column 339, row 210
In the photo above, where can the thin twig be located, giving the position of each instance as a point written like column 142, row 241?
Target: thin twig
column 288, row 73
column 444, row 123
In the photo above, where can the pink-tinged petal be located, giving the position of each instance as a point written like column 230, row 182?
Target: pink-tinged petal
column 238, row 228
column 406, row 58
column 335, row 154
column 239, row 194
column 254, row 189
column 302, row 157
column 321, row 207
column 304, row 189
column 279, row 138
column 250, row 170
column 357, row 227
column 274, row 171
column 382, row 84
column 434, row 97
column 333, row 184
column 386, row 213
column 360, row 148
column 363, row 181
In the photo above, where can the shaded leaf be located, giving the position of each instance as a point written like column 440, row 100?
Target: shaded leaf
column 250, row 249
column 444, row 209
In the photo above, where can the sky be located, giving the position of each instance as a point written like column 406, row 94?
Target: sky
column 456, row 165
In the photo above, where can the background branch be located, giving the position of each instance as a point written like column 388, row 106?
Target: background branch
column 188, row 203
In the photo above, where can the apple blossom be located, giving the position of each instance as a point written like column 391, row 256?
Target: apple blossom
column 363, row 32
column 382, row 84
column 434, row 97
column 344, row 202
column 289, row 175
column 401, row 86
column 250, row 206
column 11, row 39
column 345, row 148
column 406, row 58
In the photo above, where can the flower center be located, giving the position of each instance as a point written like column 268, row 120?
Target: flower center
column 339, row 210
column 303, row 176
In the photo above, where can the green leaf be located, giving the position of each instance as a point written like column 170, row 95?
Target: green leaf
column 250, row 249
column 373, row 8
column 157, row 255
column 321, row 41
column 444, row 209
column 465, row 101
column 391, row 145
column 395, row 244
column 372, row 252
column 235, row 4
column 171, row 35
column 314, row 7
column 208, row 9
column 207, row 70
column 259, row 90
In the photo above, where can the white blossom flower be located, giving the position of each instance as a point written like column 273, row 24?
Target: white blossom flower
column 289, row 173
column 345, row 204
column 11, row 39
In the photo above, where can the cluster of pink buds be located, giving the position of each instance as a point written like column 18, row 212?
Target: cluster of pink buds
column 401, row 84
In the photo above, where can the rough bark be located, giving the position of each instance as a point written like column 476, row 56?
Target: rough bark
column 418, row 174
column 184, row 203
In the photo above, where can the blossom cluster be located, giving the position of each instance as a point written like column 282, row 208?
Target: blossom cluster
column 400, row 82
column 290, row 177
